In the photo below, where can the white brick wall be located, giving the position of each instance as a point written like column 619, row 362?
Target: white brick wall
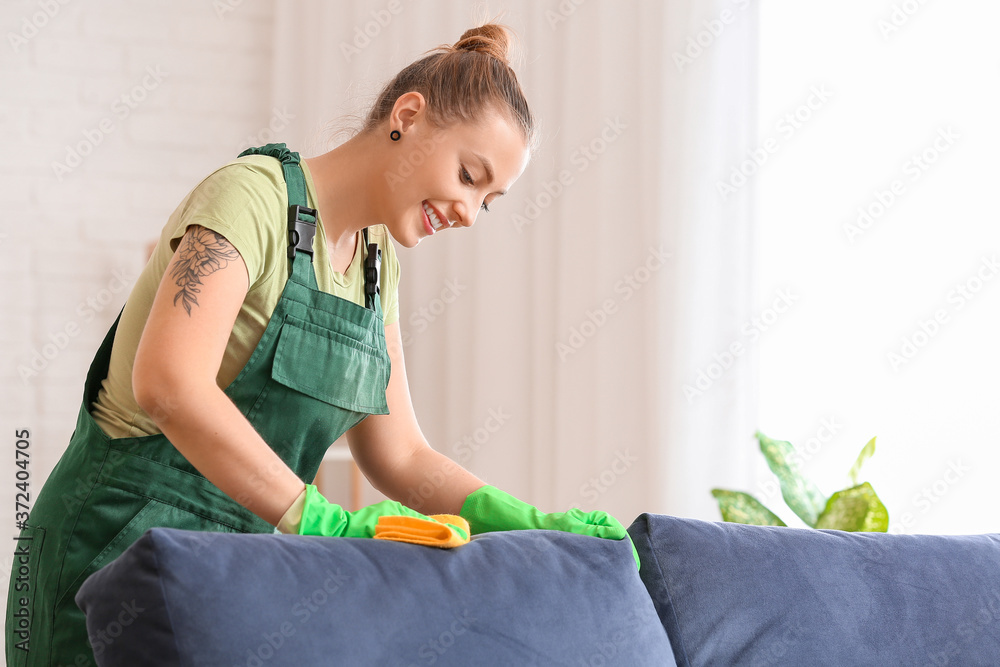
column 62, row 239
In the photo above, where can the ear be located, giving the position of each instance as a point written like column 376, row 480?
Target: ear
column 406, row 108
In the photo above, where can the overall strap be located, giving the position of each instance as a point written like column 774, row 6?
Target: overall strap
column 295, row 180
column 301, row 218
column 302, row 221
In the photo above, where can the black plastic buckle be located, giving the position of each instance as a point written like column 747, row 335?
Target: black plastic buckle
column 373, row 266
column 300, row 230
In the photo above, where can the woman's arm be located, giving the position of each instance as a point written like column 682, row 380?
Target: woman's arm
column 175, row 369
column 396, row 458
column 398, row 461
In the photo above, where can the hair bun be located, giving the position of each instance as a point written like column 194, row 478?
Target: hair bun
column 491, row 39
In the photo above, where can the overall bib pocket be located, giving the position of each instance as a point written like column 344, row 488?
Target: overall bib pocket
column 344, row 371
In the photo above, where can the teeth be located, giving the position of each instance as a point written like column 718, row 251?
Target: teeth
column 435, row 223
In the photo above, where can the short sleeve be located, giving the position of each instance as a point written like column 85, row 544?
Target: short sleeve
column 243, row 202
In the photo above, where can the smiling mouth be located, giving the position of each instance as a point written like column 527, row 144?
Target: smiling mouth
column 434, row 217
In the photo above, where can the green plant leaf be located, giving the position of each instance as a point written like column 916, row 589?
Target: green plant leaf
column 739, row 507
column 866, row 453
column 857, row 509
column 801, row 494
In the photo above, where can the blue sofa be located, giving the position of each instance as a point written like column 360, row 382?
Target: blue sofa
column 707, row 594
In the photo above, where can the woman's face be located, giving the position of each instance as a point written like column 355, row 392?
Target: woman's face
column 438, row 179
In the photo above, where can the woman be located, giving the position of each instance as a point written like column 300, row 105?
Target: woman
column 243, row 351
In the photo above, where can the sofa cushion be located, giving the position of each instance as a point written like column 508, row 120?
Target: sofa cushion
column 518, row 598
column 730, row 594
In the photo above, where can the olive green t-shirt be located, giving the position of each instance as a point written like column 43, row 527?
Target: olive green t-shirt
column 246, row 202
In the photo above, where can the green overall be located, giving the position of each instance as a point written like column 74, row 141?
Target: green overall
column 320, row 367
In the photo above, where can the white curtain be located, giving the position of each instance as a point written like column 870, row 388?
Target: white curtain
column 548, row 347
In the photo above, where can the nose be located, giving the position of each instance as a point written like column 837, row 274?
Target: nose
column 462, row 217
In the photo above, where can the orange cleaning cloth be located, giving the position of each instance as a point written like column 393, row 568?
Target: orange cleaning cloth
column 434, row 531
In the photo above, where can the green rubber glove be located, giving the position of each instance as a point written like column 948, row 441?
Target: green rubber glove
column 321, row 517
column 489, row 509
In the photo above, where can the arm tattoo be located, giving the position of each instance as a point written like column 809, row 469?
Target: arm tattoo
column 204, row 252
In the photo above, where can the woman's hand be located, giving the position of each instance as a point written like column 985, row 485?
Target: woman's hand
column 489, row 509
column 321, row 517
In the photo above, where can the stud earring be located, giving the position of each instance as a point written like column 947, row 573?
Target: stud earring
column 395, row 135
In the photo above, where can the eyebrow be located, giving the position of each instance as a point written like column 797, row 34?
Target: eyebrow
column 488, row 166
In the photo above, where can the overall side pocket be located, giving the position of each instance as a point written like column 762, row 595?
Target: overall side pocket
column 144, row 518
